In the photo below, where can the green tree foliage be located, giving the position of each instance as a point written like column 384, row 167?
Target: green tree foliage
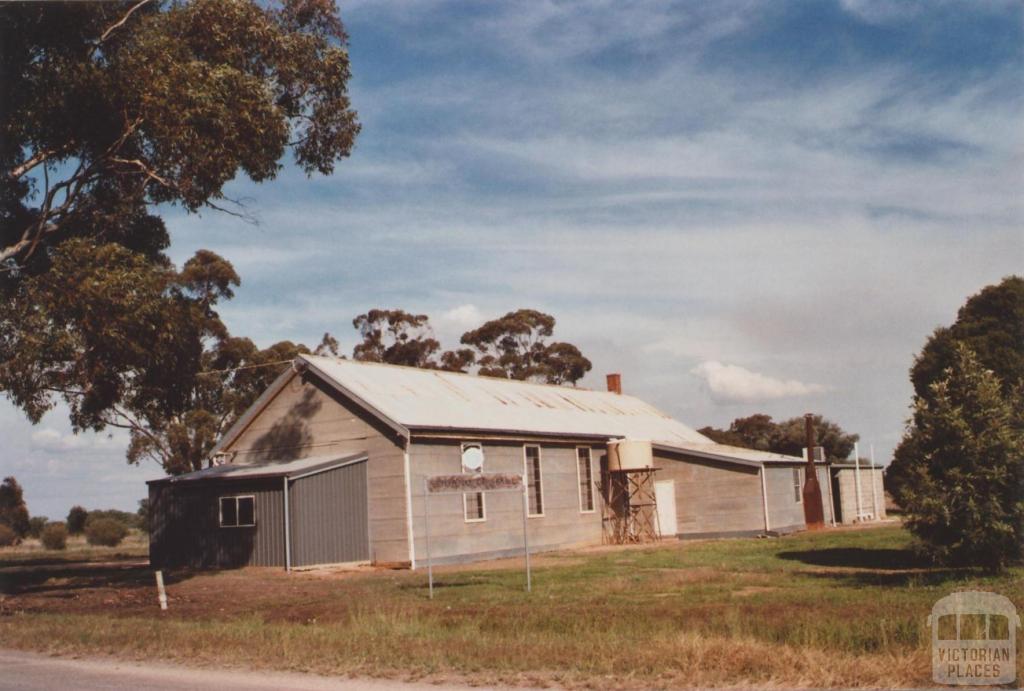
column 124, row 350
column 396, row 337
column 143, row 518
column 965, row 452
column 54, row 536
column 991, row 324
column 77, row 517
column 515, row 346
column 128, row 519
column 109, row 109
column 788, row 437
column 36, row 525
column 112, row 107
column 106, row 532
column 233, row 373
column 13, row 512
column 143, row 349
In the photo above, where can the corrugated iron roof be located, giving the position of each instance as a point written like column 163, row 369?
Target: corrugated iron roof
column 291, row 469
column 434, row 400
column 731, row 453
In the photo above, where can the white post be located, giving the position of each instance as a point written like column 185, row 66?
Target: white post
column 856, row 478
column 426, row 536
column 831, row 499
column 526, row 538
column 764, row 499
column 874, row 481
column 161, row 593
column 287, row 530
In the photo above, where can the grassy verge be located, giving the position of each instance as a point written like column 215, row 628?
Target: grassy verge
column 837, row 609
column 31, row 551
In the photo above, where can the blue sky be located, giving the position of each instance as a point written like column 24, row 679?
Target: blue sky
column 742, row 206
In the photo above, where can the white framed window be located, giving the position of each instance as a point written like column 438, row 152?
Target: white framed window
column 237, row 511
column 585, row 478
column 474, row 504
column 798, row 486
column 534, row 480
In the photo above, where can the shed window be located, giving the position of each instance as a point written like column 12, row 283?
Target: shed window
column 534, row 489
column 473, row 502
column 798, row 489
column 585, row 474
column 238, row 511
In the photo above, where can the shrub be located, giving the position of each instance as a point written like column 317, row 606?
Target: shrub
column 36, row 525
column 7, row 536
column 125, row 518
column 76, row 520
column 105, row 531
column 13, row 511
column 54, row 536
column 964, row 503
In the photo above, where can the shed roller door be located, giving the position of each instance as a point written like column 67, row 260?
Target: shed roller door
column 330, row 523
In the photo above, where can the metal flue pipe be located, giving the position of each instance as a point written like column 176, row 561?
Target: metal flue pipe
column 814, row 513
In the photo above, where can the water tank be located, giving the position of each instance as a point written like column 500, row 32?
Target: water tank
column 630, row 454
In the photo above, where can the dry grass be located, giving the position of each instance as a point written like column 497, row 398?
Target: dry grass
column 839, row 609
column 31, row 551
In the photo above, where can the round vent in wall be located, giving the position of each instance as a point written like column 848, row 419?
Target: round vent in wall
column 472, row 458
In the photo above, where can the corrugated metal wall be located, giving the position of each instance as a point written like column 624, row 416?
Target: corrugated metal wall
column 187, row 532
column 329, row 514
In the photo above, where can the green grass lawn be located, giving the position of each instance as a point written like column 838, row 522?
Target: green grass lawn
column 839, row 608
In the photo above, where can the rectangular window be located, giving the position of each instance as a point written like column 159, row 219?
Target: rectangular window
column 798, row 493
column 238, row 511
column 473, row 506
column 585, row 475
column 534, row 488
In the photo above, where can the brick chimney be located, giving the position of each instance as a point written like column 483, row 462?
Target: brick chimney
column 614, row 383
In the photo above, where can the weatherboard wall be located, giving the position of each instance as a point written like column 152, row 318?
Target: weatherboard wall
column 785, row 511
column 712, row 498
column 846, row 483
column 308, row 417
column 454, row 539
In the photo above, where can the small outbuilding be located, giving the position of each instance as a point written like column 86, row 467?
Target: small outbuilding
column 328, row 466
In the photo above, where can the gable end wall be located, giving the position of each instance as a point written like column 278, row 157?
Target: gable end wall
column 309, row 418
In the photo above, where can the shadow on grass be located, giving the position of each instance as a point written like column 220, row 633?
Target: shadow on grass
column 932, row 577
column 879, row 567
column 69, row 578
column 859, row 558
column 70, row 560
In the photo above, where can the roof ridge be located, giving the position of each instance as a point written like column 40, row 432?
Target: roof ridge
column 445, row 372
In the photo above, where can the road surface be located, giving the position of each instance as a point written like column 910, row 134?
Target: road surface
column 36, row 672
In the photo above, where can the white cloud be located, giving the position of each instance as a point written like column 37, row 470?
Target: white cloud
column 735, row 384
column 50, row 439
column 466, row 316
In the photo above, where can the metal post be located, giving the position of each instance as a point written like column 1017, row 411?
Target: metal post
column 287, row 530
column 426, row 533
column 874, row 481
column 831, row 498
column 856, row 477
column 764, row 499
column 526, row 538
